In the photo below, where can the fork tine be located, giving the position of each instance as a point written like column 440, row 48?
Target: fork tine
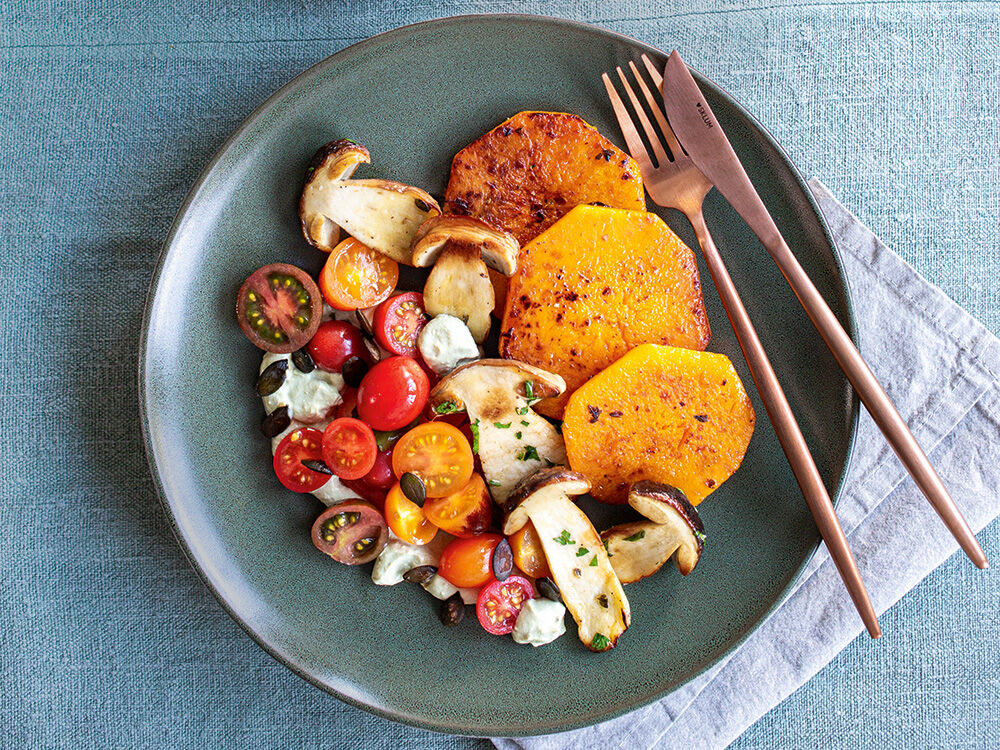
column 632, row 138
column 653, row 72
column 654, row 139
column 656, row 107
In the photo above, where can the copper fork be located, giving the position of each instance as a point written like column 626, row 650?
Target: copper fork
column 673, row 181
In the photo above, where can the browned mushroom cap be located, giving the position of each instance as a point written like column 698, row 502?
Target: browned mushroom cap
column 668, row 506
column 476, row 378
column 336, row 160
column 498, row 249
column 563, row 481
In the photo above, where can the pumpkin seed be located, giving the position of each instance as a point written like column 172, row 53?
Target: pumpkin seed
column 373, row 351
column 353, row 371
column 547, row 588
column 502, row 561
column 276, row 422
column 413, row 487
column 318, row 466
column 303, row 360
column 272, row 378
column 363, row 324
column 452, row 610
column 420, row 574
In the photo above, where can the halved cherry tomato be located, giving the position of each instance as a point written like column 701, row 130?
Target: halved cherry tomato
column 528, row 555
column 304, row 444
column 352, row 533
column 499, row 604
column 464, row 513
column 466, row 562
column 436, row 452
column 335, row 342
column 398, row 322
column 392, row 393
column 349, row 448
column 348, row 404
column 279, row 308
column 407, row 519
column 356, row 276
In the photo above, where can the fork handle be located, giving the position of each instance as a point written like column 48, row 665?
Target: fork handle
column 873, row 396
column 787, row 429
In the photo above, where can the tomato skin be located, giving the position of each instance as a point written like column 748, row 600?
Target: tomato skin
column 528, row 553
column 349, row 448
column 466, row 562
column 465, row 513
column 355, row 276
column 348, row 404
column 335, row 342
column 406, row 518
column 392, row 393
column 279, row 308
column 500, row 602
column 296, row 447
column 398, row 321
column 438, row 453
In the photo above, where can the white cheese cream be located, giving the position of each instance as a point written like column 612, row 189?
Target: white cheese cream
column 309, row 396
column 540, row 621
column 398, row 557
column 444, row 342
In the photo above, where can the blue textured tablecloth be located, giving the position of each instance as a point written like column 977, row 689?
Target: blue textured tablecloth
column 107, row 114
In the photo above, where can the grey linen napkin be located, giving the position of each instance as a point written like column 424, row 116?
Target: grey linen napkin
column 940, row 367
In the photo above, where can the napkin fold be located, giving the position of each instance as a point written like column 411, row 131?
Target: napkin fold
column 940, row 366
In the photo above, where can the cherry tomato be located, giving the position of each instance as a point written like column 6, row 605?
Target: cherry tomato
column 398, row 322
column 392, row 393
column 466, row 562
column 436, row 452
column 500, row 602
column 528, row 555
column 304, row 444
column 353, row 532
column 348, row 404
column 279, row 308
column 374, row 485
column 335, row 342
column 349, row 448
column 406, row 518
column 464, row 513
column 356, row 276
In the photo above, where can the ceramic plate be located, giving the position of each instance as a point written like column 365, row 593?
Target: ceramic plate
column 415, row 96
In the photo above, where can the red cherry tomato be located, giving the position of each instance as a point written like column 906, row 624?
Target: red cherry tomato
column 374, row 485
column 466, row 562
column 392, row 393
column 398, row 322
column 335, row 342
column 305, row 444
column 349, row 448
column 500, row 602
column 348, row 403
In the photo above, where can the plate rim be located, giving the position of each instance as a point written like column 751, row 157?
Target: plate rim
column 194, row 193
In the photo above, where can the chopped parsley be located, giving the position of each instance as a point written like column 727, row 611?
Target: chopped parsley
column 522, row 410
column 600, row 642
column 475, row 436
column 518, row 434
column 700, row 535
column 446, row 407
column 636, row 536
column 501, row 425
column 493, row 483
column 564, row 538
column 606, row 548
column 525, row 423
column 529, row 389
column 602, row 599
column 582, row 551
column 528, row 453
column 593, row 561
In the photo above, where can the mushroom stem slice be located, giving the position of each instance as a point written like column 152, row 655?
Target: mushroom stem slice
column 459, row 285
column 639, row 549
column 668, row 507
column 580, row 566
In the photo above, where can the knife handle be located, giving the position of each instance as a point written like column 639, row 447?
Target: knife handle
column 872, row 395
column 786, row 427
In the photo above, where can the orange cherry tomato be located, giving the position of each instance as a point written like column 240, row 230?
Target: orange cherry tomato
column 528, row 555
column 436, row 452
column 356, row 276
column 407, row 519
column 466, row 562
column 464, row 513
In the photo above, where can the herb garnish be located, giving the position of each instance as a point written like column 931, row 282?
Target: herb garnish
column 493, row 483
column 606, row 548
column 518, row 434
column 501, row 425
column 700, row 535
column 563, row 538
column 601, row 642
column 474, row 427
column 529, row 390
column 446, row 407
column 636, row 536
column 582, row 551
column 528, row 453
column 522, row 410
column 525, row 423
column 593, row 561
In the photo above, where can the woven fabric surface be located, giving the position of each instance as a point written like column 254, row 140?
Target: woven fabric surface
column 108, row 111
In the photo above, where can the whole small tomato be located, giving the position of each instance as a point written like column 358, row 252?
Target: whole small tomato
column 335, row 342
column 392, row 393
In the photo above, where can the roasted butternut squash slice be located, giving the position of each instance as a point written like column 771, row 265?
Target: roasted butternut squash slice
column 597, row 283
column 660, row 413
column 528, row 171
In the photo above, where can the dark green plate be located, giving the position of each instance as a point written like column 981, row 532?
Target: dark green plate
column 414, row 96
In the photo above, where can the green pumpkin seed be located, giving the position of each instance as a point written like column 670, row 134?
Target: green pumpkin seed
column 303, row 361
column 272, row 378
column 413, row 488
column 276, row 422
column 452, row 610
column 420, row 574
